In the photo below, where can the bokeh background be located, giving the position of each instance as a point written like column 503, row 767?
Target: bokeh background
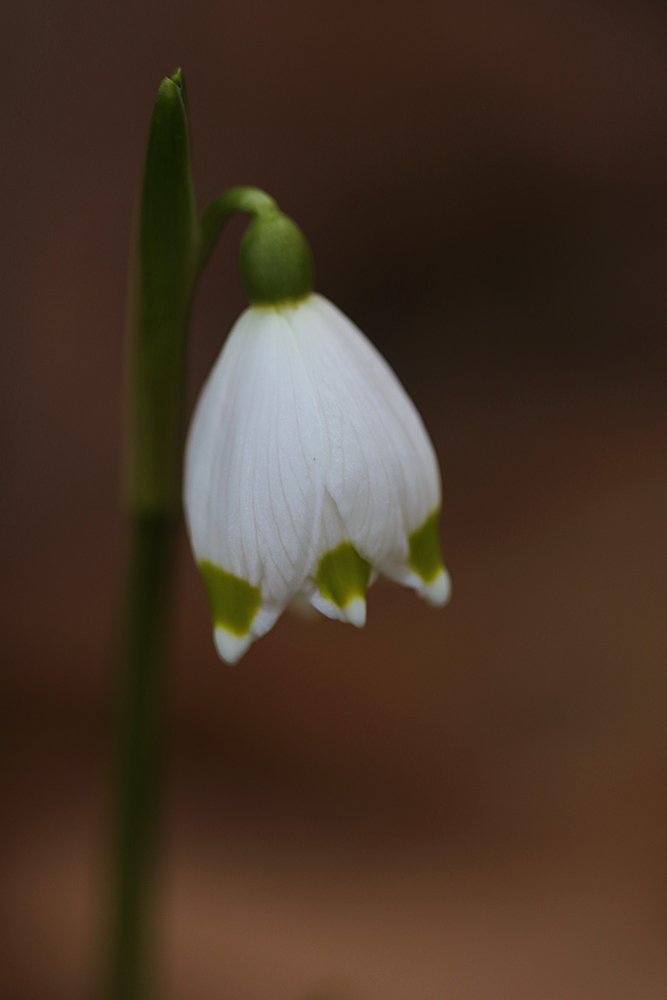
column 466, row 803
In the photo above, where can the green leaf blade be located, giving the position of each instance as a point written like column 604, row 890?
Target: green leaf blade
column 165, row 254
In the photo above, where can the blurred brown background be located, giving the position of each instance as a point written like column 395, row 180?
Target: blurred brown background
column 467, row 803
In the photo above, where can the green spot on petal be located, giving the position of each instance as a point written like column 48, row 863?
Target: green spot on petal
column 425, row 559
column 342, row 575
column 233, row 601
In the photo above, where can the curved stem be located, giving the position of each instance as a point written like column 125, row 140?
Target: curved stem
column 238, row 199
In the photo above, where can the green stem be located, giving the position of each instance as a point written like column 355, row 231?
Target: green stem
column 239, row 199
column 140, row 745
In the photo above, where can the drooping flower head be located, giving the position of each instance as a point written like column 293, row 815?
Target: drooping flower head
column 308, row 468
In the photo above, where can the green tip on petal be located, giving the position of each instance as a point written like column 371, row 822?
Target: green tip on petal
column 424, row 558
column 342, row 578
column 233, row 602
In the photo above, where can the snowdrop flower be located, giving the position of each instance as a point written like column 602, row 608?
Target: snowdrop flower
column 308, row 468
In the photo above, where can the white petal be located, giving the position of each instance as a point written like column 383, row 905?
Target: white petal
column 354, row 612
column 438, row 591
column 381, row 470
column 332, row 532
column 230, row 647
column 253, row 482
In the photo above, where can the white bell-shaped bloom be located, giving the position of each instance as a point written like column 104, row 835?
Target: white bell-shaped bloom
column 308, row 472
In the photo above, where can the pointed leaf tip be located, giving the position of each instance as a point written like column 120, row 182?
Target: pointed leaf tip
column 178, row 80
column 169, row 95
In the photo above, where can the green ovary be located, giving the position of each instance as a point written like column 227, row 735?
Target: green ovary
column 424, row 558
column 233, row 601
column 342, row 575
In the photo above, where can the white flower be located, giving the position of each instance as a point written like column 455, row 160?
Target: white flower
column 308, row 472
